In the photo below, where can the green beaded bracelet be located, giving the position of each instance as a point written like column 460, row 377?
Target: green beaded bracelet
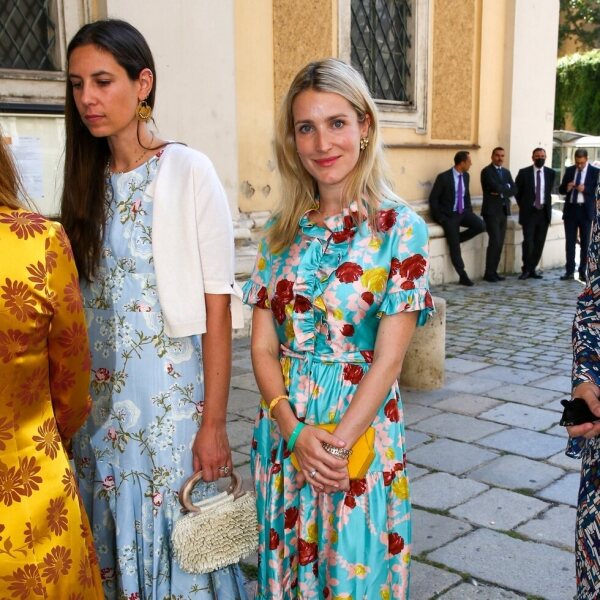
column 292, row 441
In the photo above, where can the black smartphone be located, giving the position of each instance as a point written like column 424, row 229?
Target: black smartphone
column 576, row 412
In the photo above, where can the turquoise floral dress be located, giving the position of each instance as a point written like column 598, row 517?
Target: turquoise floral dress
column 328, row 292
column 134, row 451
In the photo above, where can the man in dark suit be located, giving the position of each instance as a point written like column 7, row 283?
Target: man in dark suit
column 534, row 187
column 498, row 186
column 450, row 206
column 579, row 184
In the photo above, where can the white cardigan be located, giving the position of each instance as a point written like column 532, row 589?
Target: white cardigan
column 192, row 241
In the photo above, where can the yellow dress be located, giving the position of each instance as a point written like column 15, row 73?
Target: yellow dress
column 46, row 549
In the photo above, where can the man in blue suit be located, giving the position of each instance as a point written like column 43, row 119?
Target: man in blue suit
column 579, row 184
column 534, row 197
column 450, row 206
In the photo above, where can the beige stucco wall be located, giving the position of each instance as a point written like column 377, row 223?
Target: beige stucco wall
column 455, row 70
column 257, row 189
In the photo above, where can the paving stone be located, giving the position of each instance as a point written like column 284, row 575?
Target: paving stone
column 522, row 441
column 524, row 394
column 558, row 431
column 559, row 383
column 555, row 526
column 499, row 509
column 508, row 374
column 240, row 435
column 459, row 365
column 457, row 427
column 498, row 558
column 560, row 459
column 431, row 530
column 521, row 415
column 472, row 384
column 413, row 439
column 564, row 490
column 443, row 491
column 555, row 405
column 415, row 472
column 468, row 591
column 517, row 472
column 427, row 581
column 417, row 412
column 245, row 382
column 243, row 402
column 466, row 404
column 450, row 456
column 426, row 398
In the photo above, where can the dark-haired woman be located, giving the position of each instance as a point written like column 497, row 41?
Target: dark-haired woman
column 152, row 237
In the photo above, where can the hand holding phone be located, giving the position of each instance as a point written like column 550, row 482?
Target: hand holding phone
column 576, row 412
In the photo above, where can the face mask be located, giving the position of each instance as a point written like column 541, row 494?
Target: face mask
column 539, row 162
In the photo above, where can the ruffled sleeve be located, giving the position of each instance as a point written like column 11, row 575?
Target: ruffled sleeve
column 255, row 289
column 408, row 283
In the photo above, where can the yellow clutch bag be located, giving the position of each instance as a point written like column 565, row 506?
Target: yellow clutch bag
column 362, row 456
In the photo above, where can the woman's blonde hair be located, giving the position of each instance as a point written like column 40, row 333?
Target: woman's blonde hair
column 367, row 182
column 11, row 187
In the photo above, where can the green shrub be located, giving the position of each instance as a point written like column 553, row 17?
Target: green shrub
column 578, row 92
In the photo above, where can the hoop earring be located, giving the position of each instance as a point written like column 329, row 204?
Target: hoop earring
column 364, row 142
column 143, row 110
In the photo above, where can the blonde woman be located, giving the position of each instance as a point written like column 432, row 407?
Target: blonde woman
column 339, row 284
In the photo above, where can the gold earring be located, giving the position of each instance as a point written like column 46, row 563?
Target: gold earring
column 364, row 142
column 143, row 110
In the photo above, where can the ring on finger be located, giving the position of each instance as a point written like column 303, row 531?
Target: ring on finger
column 225, row 470
column 313, row 473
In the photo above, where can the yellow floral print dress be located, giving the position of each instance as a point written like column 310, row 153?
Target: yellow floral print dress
column 46, row 550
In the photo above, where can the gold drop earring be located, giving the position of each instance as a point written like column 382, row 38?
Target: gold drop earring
column 364, row 142
column 143, row 110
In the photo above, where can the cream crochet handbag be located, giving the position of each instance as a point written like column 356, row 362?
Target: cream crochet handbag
column 216, row 532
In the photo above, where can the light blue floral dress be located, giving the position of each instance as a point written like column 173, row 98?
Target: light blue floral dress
column 327, row 293
column 135, row 449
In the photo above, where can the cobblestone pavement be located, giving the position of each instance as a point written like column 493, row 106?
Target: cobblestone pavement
column 493, row 494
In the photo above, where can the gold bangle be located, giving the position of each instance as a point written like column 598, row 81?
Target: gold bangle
column 275, row 402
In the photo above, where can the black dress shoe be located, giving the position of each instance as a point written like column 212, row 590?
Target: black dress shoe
column 524, row 275
column 499, row 277
column 535, row 275
column 567, row 276
column 490, row 278
column 464, row 280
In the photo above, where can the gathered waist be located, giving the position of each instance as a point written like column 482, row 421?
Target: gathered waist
column 359, row 356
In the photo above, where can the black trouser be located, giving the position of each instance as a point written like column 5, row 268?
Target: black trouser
column 495, row 225
column 455, row 237
column 535, row 229
column 575, row 218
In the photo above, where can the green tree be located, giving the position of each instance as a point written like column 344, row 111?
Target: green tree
column 578, row 92
column 580, row 19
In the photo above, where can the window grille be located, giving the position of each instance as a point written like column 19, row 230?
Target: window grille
column 381, row 46
column 27, row 35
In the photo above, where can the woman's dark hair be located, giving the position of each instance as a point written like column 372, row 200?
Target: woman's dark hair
column 82, row 209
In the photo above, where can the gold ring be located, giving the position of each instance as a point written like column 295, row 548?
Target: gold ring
column 224, row 470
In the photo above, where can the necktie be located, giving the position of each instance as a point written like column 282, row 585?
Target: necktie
column 460, row 203
column 499, row 169
column 575, row 191
column 538, row 190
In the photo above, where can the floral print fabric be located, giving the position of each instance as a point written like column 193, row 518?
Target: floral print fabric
column 46, row 548
column 134, row 452
column 328, row 292
column 586, row 368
